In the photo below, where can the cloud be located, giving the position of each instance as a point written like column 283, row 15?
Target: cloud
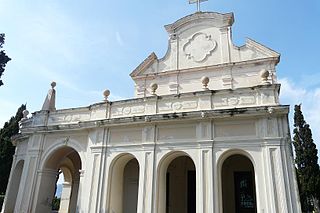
column 292, row 93
column 119, row 39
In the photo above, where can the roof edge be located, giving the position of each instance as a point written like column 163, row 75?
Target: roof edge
column 224, row 19
column 143, row 65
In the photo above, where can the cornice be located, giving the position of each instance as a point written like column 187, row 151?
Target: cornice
column 217, row 19
column 248, row 112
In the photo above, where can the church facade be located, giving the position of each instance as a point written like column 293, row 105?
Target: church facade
column 205, row 132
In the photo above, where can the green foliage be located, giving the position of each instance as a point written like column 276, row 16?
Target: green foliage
column 55, row 203
column 1, row 200
column 306, row 160
column 4, row 59
column 7, row 150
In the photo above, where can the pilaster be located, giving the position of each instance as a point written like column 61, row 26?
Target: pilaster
column 94, row 172
column 27, row 195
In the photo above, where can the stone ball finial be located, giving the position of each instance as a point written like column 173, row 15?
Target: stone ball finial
column 53, row 84
column 264, row 74
column 106, row 94
column 154, row 87
column 25, row 114
column 205, row 80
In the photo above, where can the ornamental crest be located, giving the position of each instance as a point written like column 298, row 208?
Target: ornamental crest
column 199, row 47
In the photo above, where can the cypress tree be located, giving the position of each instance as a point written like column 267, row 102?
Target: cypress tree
column 307, row 162
column 3, row 58
column 7, row 150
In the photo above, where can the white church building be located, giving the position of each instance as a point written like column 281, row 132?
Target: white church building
column 204, row 133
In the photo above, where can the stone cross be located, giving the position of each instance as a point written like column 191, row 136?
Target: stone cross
column 198, row 3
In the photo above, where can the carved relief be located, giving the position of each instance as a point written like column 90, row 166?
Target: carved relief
column 127, row 111
column 137, row 109
column 176, row 106
column 248, row 100
column 234, row 101
column 199, row 47
column 68, row 118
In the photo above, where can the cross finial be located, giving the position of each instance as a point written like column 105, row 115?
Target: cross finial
column 198, row 3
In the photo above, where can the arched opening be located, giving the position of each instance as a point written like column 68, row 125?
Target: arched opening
column 238, row 185
column 67, row 161
column 124, row 185
column 13, row 189
column 177, row 184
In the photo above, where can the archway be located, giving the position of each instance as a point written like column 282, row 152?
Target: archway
column 238, row 185
column 13, row 189
column 177, row 184
column 124, row 184
column 67, row 161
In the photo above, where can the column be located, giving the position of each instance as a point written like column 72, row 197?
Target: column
column 65, row 197
column 74, row 194
column 45, row 193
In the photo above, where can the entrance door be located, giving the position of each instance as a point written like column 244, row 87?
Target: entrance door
column 244, row 192
column 181, row 186
column 238, row 185
column 191, row 191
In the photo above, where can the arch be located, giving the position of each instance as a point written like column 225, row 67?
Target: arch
column 60, row 143
column 236, row 178
column 68, row 160
column 230, row 152
column 123, row 184
column 165, row 189
column 13, row 188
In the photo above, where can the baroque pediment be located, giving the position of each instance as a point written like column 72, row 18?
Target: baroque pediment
column 200, row 40
column 200, row 45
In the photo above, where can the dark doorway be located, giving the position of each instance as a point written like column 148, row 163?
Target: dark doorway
column 191, row 191
column 238, row 185
column 244, row 192
column 181, row 186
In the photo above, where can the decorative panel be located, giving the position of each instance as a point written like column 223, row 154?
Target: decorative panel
column 235, row 129
column 177, row 132
column 125, row 135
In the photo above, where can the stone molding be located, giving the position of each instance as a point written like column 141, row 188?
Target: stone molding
column 263, row 95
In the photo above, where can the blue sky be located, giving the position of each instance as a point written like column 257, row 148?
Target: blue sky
column 88, row 46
